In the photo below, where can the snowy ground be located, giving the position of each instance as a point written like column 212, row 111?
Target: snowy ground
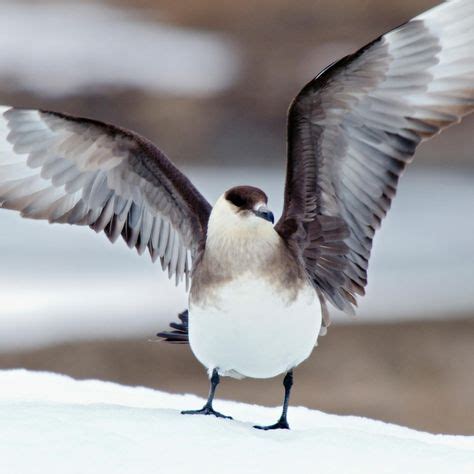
column 54, row 424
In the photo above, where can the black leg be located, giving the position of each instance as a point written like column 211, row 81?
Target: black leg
column 207, row 408
column 282, row 423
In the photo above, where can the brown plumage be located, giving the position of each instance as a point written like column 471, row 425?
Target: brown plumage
column 354, row 128
column 246, row 197
column 85, row 172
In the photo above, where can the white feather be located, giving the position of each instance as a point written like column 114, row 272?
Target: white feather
column 254, row 332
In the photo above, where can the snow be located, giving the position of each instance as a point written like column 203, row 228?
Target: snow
column 60, row 48
column 54, row 424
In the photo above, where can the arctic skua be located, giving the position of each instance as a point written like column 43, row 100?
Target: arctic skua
column 258, row 292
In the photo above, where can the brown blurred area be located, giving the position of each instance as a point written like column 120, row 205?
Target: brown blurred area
column 418, row 374
column 283, row 44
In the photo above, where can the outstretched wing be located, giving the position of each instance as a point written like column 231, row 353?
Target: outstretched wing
column 80, row 171
column 354, row 128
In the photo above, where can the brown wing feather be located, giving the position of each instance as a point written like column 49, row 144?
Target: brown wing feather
column 80, row 171
column 353, row 130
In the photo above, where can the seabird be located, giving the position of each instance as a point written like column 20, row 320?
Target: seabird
column 259, row 292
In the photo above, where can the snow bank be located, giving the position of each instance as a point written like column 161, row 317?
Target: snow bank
column 54, row 424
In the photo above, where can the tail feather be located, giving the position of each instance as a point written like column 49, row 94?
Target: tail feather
column 179, row 335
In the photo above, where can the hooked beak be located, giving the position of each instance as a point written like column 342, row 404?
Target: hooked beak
column 265, row 213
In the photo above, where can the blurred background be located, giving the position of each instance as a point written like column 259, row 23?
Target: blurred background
column 210, row 82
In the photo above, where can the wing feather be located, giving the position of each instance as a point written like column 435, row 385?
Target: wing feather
column 355, row 127
column 80, row 171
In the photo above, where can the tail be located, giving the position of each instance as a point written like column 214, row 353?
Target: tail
column 180, row 333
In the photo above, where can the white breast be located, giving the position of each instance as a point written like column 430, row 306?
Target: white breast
column 251, row 331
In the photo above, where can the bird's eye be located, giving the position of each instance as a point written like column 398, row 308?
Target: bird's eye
column 235, row 199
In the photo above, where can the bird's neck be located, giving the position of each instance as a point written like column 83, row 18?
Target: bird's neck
column 250, row 251
column 242, row 245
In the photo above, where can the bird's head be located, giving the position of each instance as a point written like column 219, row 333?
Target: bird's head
column 247, row 202
column 241, row 211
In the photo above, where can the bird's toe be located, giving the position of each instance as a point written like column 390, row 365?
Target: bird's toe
column 279, row 425
column 206, row 411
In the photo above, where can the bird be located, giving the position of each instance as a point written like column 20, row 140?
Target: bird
column 259, row 292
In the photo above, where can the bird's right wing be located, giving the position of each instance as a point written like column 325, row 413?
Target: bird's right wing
column 353, row 130
column 79, row 171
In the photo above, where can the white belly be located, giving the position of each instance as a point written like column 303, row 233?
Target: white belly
column 251, row 332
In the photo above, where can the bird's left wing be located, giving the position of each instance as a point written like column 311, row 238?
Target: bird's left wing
column 79, row 171
column 355, row 127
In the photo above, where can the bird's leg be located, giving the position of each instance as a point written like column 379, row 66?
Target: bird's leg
column 207, row 408
column 282, row 423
